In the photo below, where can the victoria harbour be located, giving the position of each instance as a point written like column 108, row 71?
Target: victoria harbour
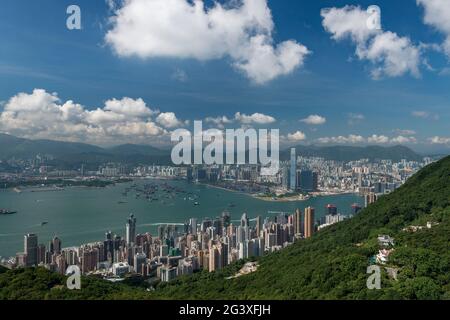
column 80, row 214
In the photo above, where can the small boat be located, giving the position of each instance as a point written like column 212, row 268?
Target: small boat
column 44, row 223
column 4, row 211
column 196, row 203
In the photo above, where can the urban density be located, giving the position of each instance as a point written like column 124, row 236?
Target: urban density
column 209, row 244
column 177, row 249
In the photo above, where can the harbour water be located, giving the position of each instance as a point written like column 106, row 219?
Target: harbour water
column 80, row 215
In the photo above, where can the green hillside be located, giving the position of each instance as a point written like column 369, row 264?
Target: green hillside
column 331, row 265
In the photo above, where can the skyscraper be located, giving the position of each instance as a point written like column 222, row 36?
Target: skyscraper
column 309, row 222
column 41, row 253
column 293, row 171
column 258, row 225
column 244, row 228
column 244, row 220
column 193, row 225
column 307, row 180
column 370, row 198
column 226, row 218
column 297, row 222
column 31, row 249
column 215, row 258
column 140, row 260
column 131, row 229
column 56, row 245
column 108, row 247
column 285, row 177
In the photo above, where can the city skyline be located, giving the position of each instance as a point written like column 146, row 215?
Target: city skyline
column 176, row 249
column 327, row 95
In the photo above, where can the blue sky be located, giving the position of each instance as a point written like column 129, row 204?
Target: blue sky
column 38, row 51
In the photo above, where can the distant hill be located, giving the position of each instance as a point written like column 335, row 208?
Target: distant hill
column 351, row 153
column 137, row 150
column 18, row 147
column 330, row 265
column 73, row 154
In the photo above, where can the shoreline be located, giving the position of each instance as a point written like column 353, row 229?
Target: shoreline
column 282, row 200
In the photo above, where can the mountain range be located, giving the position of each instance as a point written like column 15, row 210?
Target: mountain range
column 74, row 153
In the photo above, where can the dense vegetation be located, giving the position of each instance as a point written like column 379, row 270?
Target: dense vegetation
column 331, row 265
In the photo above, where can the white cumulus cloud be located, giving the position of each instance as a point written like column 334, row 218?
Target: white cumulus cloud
column 378, row 139
column 439, row 140
column 402, row 140
column 314, row 119
column 219, row 121
column 238, row 29
column 437, row 15
column 169, row 120
column 296, row 136
column 256, row 118
column 350, row 139
column 41, row 114
column 391, row 55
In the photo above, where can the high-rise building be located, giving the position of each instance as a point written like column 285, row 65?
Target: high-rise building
column 309, row 222
column 131, row 229
column 297, row 222
column 293, row 171
column 21, row 259
column 226, row 219
column 168, row 273
column 193, row 225
column 244, row 220
column 285, row 177
column 307, row 180
column 108, row 245
column 370, row 198
column 258, row 225
column 215, row 258
column 164, row 250
column 56, row 245
column 140, row 260
column 331, row 210
column 41, row 254
column 31, row 249
column 89, row 259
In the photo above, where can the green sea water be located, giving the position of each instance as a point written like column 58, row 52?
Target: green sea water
column 80, row 215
